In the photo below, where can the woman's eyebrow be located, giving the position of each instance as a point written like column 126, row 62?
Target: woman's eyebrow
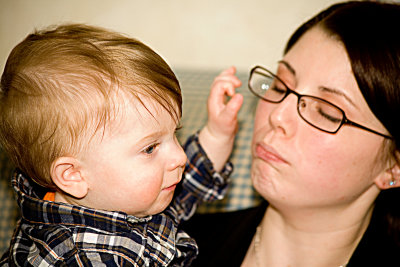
column 339, row 93
column 288, row 66
column 322, row 88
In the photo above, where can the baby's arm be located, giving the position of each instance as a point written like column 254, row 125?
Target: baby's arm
column 218, row 136
column 207, row 170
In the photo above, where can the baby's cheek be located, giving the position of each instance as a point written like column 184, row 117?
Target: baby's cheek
column 149, row 188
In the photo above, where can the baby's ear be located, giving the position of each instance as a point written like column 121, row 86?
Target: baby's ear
column 390, row 178
column 65, row 173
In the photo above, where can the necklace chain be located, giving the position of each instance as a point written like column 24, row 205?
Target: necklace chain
column 257, row 240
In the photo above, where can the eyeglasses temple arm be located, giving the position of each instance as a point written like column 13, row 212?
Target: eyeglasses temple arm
column 365, row 128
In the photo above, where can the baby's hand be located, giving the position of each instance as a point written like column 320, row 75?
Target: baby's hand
column 218, row 136
column 222, row 114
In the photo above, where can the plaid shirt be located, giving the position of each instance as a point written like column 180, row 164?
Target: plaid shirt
column 59, row 234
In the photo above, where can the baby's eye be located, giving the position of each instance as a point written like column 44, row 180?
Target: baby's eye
column 150, row 149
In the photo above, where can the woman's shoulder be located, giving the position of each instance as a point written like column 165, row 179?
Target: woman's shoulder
column 380, row 244
column 223, row 238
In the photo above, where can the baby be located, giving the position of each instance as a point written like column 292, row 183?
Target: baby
column 89, row 118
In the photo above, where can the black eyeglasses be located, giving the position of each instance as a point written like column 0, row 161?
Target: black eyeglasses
column 316, row 111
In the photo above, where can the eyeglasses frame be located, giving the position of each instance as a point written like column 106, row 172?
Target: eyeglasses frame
column 289, row 91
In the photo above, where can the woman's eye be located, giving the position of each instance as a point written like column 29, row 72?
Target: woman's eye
column 326, row 115
column 278, row 90
column 150, row 149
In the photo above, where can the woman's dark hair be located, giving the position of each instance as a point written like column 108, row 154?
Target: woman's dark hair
column 370, row 33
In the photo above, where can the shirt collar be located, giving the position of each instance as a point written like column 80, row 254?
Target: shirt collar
column 41, row 211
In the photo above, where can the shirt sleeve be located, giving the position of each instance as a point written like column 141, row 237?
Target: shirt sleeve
column 201, row 182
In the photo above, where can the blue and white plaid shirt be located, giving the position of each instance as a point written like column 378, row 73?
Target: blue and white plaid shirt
column 59, row 234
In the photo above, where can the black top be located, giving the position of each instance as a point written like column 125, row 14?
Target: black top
column 223, row 239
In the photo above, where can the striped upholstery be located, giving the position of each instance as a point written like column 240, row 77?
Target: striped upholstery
column 8, row 206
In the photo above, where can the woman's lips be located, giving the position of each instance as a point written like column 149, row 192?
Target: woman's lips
column 268, row 153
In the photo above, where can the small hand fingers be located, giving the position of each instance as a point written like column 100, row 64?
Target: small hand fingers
column 219, row 93
column 231, row 70
column 233, row 106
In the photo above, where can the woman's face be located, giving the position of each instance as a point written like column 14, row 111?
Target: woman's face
column 298, row 165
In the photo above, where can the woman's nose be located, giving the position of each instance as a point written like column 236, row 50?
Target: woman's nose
column 283, row 116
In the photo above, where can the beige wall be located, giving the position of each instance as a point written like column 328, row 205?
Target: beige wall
column 203, row 34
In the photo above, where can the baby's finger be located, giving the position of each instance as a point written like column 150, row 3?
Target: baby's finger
column 233, row 106
column 231, row 70
column 219, row 92
column 227, row 88
column 227, row 79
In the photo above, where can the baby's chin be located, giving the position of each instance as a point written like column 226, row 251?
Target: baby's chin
column 157, row 207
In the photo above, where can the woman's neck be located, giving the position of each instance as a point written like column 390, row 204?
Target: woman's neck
column 311, row 238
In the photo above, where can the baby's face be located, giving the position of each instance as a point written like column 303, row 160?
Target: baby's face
column 136, row 166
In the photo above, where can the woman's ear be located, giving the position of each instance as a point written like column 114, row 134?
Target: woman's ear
column 65, row 173
column 390, row 178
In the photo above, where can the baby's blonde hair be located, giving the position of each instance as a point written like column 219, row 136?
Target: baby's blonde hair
column 59, row 88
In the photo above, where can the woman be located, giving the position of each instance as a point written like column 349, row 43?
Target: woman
column 326, row 153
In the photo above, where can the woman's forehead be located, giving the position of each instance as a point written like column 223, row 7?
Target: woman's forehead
column 321, row 61
column 317, row 60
